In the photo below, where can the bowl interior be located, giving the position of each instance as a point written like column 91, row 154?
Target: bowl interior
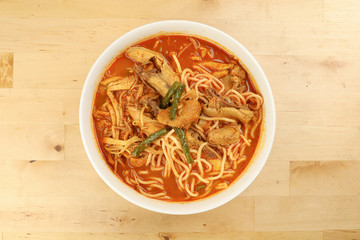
column 200, row 30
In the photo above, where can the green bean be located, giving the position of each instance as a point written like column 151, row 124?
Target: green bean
column 144, row 144
column 178, row 92
column 166, row 100
column 184, row 144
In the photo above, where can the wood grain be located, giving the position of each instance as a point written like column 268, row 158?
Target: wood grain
column 167, row 236
column 347, row 13
column 273, row 180
column 307, row 10
column 39, row 35
column 326, row 178
column 24, row 106
column 53, row 70
column 6, row 70
column 309, row 188
column 342, row 235
column 32, row 142
column 307, row 213
column 73, row 144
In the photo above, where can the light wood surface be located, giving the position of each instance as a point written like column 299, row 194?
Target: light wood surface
column 310, row 186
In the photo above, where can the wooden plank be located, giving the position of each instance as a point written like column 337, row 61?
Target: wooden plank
column 6, row 70
column 26, row 106
column 307, row 75
column 324, row 178
column 110, row 214
column 74, row 148
column 272, row 180
column 167, row 236
column 52, row 70
column 316, row 143
column 307, row 213
column 337, row 11
column 54, row 35
column 316, row 116
column 342, row 235
column 32, row 142
column 68, row 196
column 309, row 11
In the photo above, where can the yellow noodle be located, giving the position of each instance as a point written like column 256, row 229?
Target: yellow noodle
column 222, row 167
column 200, row 177
column 178, row 67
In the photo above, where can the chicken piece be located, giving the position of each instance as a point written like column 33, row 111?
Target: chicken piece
column 137, row 162
column 224, row 136
column 228, row 83
column 238, row 71
column 142, row 55
column 219, row 101
column 210, row 153
column 155, row 109
column 161, row 77
column 216, row 164
column 185, row 116
column 202, row 123
column 150, row 125
column 150, row 104
column 223, row 107
column 217, row 65
column 220, row 74
column 236, row 79
column 193, row 138
column 214, row 103
column 121, row 84
column 244, row 115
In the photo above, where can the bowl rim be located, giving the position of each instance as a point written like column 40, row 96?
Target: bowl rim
column 178, row 208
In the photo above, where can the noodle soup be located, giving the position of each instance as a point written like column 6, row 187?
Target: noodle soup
column 177, row 118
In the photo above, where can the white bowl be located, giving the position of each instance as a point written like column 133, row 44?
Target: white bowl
column 200, row 30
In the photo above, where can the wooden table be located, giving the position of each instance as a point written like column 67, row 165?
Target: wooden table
column 310, row 186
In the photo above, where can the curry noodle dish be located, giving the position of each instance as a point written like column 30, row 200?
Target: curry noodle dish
column 177, row 118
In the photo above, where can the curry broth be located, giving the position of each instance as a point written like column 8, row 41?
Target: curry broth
column 168, row 44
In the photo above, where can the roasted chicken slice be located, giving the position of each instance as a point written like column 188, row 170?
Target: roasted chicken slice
column 160, row 76
column 224, row 136
column 150, row 125
column 187, row 113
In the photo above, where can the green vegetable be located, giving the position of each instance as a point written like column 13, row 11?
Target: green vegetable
column 201, row 186
column 166, row 100
column 185, row 146
column 144, row 144
column 178, row 92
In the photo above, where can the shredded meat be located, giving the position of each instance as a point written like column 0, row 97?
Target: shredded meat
column 217, row 65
